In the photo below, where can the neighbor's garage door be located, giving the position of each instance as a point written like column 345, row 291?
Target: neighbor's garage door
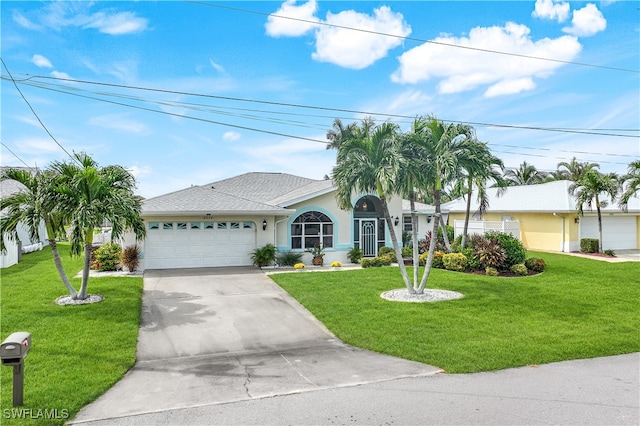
column 618, row 232
column 170, row 245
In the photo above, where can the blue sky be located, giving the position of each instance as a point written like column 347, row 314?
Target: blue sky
column 86, row 58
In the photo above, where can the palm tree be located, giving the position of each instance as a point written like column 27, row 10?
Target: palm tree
column 632, row 181
column 94, row 195
column 369, row 162
column 478, row 166
column 525, row 174
column 574, row 169
column 411, row 178
column 443, row 144
column 589, row 189
column 340, row 133
column 34, row 205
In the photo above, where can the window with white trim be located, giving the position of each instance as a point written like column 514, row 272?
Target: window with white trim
column 407, row 224
column 310, row 229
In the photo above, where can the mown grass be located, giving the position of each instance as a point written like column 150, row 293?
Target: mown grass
column 577, row 308
column 78, row 352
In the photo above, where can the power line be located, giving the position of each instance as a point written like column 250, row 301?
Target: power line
column 180, row 104
column 34, row 112
column 291, row 105
column 14, row 154
column 497, row 52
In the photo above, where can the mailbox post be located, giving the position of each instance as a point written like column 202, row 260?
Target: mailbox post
column 13, row 351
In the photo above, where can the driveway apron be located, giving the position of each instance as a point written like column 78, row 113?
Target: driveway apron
column 217, row 335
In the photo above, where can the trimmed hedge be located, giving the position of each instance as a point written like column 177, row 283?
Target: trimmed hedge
column 589, row 245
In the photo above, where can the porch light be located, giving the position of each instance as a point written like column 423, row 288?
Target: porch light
column 576, row 219
column 397, row 221
column 264, row 225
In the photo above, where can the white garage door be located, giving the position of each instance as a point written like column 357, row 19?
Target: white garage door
column 618, row 232
column 171, row 245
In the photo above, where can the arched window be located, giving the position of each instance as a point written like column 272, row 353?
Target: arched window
column 311, row 229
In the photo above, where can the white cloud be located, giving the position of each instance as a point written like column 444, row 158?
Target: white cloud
column 551, row 9
column 282, row 27
column 356, row 49
column 586, row 22
column 58, row 15
column 41, row 61
column 120, row 122
column 231, row 136
column 140, row 171
column 59, row 74
column 339, row 44
column 463, row 69
column 217, row 67
column 116, row 23
column 40, row 145
column 24, row 22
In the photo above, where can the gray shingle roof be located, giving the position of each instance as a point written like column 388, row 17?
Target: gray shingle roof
column 247, row 193
column 421, row 208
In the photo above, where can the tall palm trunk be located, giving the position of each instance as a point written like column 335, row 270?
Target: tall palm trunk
column 432, row 243
column 63, row 275
column 465, row 230
column 394, row 241
column 414, row 237
column 445, row 236
column 599, row 225
column 87, row 264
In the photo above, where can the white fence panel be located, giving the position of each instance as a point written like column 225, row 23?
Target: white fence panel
column 482, row 227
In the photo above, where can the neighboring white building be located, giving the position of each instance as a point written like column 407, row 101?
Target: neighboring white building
column 221, row 223
column 14, row 249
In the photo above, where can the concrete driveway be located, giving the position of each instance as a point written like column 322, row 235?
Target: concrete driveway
column 221, row 335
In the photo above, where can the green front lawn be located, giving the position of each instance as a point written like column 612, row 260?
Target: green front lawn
column 78, row 352
column 577, row 308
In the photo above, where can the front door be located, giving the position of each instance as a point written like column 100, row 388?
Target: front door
column 369, row 237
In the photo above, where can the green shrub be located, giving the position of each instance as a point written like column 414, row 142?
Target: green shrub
column 454, row 261
column 289, row 258
column 422, row 259
column 589, row 245
column 131, row 257
column 535, row 264
column 407, row 251
column 513, row 248
column 472, row 260
column 610, row 252
column 519, row 269
column 438, row 261
column 492, row 272
column 264, row 256
column 490, row 253
column 375, row 262
column 456, row 244
column 107, row 257
column 388, row 251
column 354, row 255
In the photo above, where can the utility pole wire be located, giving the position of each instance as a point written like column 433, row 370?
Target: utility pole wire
column 34, row 112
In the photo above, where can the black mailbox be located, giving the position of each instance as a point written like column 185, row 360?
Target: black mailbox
column 15, row 348
column 12, row 353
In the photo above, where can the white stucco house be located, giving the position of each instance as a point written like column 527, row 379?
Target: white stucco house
column 15, row 248
column 221, row 223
